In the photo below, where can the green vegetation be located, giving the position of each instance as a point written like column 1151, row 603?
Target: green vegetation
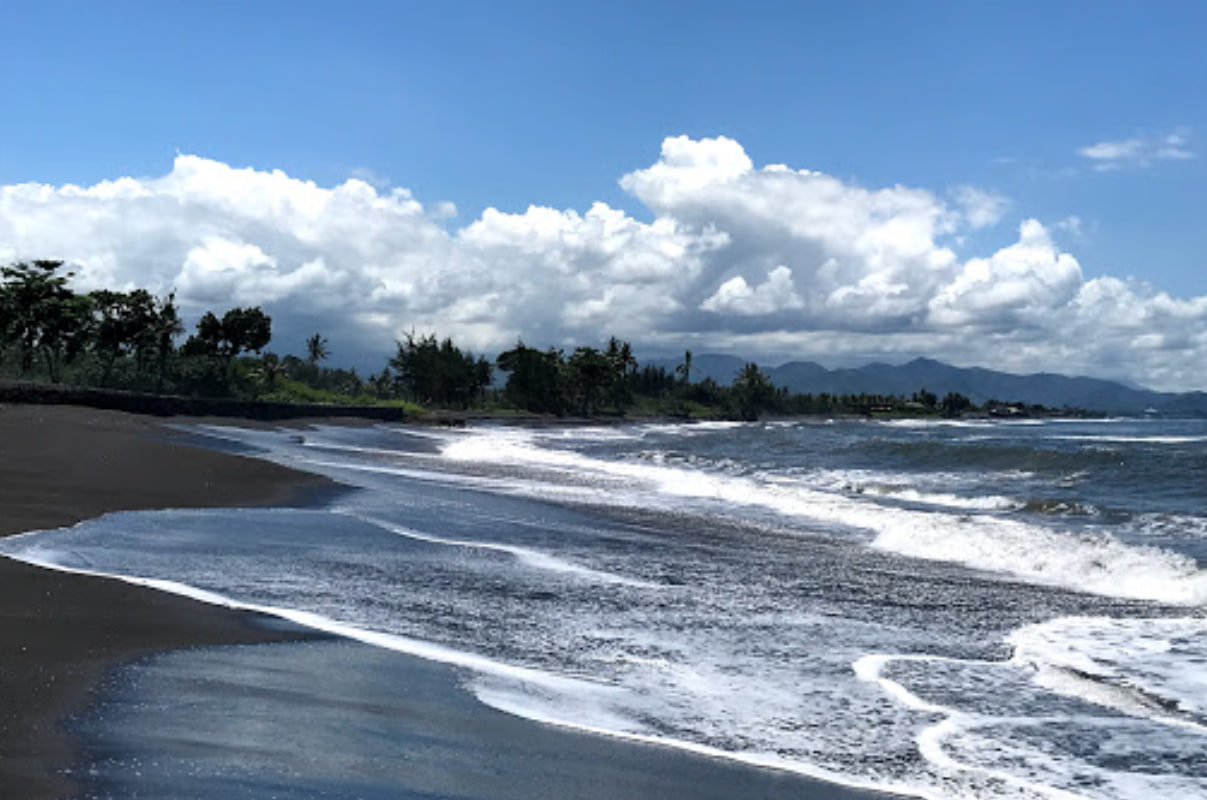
column 439, row 374
column 127, row 340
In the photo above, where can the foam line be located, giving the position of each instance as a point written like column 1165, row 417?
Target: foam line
column 533, row 558
column 1121, row 664
column 481, row 665
column 1098, row 564
column 427, row 651
column 1132, row 439
column 931, row 738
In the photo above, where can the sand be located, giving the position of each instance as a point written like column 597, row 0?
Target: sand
column 59, row 633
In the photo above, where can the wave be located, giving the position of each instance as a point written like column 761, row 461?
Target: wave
column 428, row 651
column 956, row 423
column 1079, row 703
column 575, row 701
column 532, row 558
column 1111, row 439
column 1142, row 667
column 946, row 500
column 1091, row 562
column 920, row 489
column 598, row 718
column 1180, row 526
column 1060, row 507
column 996, row 726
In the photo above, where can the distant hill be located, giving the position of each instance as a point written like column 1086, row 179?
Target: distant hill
column 980, row 385
column 721, row 369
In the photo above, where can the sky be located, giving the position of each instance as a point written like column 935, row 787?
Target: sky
column 1015, row 185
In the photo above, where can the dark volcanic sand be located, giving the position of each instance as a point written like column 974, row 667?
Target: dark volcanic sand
column 60, row 633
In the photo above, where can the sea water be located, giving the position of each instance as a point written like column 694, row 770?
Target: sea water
column 942, row 609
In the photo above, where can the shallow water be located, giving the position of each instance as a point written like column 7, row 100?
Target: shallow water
column 943, row 609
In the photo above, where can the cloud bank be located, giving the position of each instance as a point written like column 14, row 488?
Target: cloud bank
column 770, row 262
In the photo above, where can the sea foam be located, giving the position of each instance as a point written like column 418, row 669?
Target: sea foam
column 1091, row 562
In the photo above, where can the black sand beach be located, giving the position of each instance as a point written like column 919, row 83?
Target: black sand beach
column 59, row 634
column 304, row 717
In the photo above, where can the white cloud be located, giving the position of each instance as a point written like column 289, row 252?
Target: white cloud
column 841, row 242
column 769, row 262
column 735, row 296
column 1071, row 225
column 1140, row 151
column 1020, row 285
column 981, row 208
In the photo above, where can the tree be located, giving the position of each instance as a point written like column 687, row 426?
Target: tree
column 316, row 349
column 533, row 380
column 207, row 341
column 587, row 379
column 624, row 365
column 217, row 342
column 439, row 373
column 42, row 316
column 123, row 324
column 241, row 330
column 685, row 369
column 752, row 392
column 246, row 330
column 954, row 403
column 381, row 383
column 269, row 370
column 925, row 398
column 165, row 327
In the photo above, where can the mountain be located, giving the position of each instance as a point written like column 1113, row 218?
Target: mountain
column 722, row 369
column 980, row 385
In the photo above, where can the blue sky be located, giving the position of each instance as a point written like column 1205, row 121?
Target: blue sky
column 1083, row 116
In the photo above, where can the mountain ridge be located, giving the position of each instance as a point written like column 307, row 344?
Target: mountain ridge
column 977, row 383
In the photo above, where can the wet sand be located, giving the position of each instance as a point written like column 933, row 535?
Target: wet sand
column 344, row 721
column 60, row 634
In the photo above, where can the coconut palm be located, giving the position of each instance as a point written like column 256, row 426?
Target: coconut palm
column 316, row 349
column 685, row 369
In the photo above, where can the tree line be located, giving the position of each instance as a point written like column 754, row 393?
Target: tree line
column 115, row 339
column 130, row 340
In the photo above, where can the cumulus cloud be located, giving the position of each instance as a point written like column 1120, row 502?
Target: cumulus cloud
column 860, row 256
column 770, row 262
column 1140, row 151
column 1019, row 285
column 735, row 296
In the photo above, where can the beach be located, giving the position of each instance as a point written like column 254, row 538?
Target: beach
column 63, row 636
column 60, row 633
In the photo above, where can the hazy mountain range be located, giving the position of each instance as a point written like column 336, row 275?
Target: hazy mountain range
column 980, row 385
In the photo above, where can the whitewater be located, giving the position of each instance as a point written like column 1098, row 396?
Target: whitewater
column 942, row 609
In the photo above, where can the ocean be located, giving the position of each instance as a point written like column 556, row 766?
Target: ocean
column 941, row 609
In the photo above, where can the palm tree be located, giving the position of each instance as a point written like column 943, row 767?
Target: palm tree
column 316, row 349
column 269, row 370
column 685, row 369
column 752, row 392
column 165, row 327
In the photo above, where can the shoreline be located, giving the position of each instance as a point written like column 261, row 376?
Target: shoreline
column 60, row 634
column 65, row 636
